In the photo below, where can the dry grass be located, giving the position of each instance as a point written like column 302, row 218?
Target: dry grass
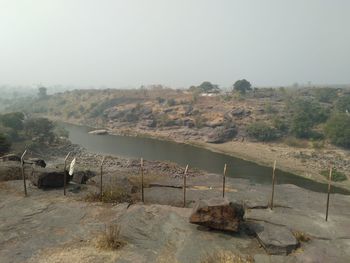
column 110, row 195
column 226, row 257
column 135, row 180
column 110, row 239
column 301, row 236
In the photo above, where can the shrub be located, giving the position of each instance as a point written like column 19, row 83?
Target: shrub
column 262, row 131
column 295, row 142
column 326, row 95
column 338, row 129
column 336, row 176
column 301, row 236
column 13, row 120
column 305, row 115
column 226, row 257
column 343, row 104
column 111, row 194
column 110, row 238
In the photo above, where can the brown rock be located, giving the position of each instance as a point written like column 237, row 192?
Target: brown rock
column 217, row 213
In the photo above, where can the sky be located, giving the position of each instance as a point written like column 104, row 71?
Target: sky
column 176, row 43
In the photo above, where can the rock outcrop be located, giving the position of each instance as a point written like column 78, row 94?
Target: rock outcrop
column 218, row 213
column 99, row 132
column 221, row 134
column 276, row 240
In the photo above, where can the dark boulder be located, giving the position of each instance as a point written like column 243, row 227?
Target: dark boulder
column 221, row 134
column 48, row 178
column 36, row 162
column 218, row 213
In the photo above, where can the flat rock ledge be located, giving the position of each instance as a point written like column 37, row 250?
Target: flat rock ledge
column 99, row 132
column 218, row 213
column 276, row 240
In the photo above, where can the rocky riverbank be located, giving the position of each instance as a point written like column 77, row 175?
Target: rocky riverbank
column 159, row 230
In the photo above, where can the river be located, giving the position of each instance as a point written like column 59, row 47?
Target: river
column 153, row 149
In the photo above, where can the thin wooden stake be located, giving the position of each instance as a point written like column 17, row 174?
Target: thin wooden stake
column 224, row 181
column 329, row 190
column 23, row 175
column 65, row 174
column 142, row 192
column 101, row 165
column 273, row 185
column 184, row 186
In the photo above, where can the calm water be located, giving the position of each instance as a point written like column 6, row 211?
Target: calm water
column 152, row 149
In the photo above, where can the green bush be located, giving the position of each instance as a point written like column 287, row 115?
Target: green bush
column 336, row 176
column 326, row 95
column 338, row 129
column 343, row 104
column 262, row 131
column 305, row 115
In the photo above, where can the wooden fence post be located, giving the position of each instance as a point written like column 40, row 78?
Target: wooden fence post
column 23, row 175
column 273, row 185
column 224, row 181
column 329, row 190
column 65, row 174
column 101, row 165
column 184, row 186
column 142, row 191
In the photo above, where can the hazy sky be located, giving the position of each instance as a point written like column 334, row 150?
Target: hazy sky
column 174, row 42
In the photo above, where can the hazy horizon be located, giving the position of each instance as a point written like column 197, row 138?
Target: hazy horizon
column 180, row 43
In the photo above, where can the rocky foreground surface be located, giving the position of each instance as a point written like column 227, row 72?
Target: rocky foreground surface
column 46, row 226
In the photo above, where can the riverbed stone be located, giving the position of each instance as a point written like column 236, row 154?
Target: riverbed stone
column 218, row 213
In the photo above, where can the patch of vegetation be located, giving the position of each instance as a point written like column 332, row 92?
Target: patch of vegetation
column 336, row 175
column 338, row 129
column 295, row 142
column 305, row 115
column 262, row 131
column 343, row 104
column 111, row 194
column 301, row 236
column 326, row 95
column 226, row 257
column 110, row 239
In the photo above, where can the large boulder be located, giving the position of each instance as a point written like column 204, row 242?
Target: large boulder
column 218, row 213
column 221, row 134
column 48, row 178
column 275, row 239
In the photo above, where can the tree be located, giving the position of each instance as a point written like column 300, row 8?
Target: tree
column 42, row 93
column 338, row 129
column 207, row 86
column 5, row 145
column 242, row 86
